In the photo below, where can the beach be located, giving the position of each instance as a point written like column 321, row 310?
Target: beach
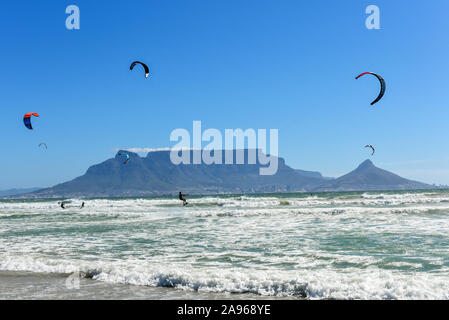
column 359, row 245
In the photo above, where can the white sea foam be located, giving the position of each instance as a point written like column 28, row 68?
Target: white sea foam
column 370, row 283
column 343, row 246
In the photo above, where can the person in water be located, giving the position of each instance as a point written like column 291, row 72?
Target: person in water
column 82, row 205
column 62, row 205
column 181, row 197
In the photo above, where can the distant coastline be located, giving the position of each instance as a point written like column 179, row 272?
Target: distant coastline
column 155, row 175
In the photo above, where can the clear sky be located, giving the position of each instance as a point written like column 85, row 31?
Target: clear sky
column 287, row 65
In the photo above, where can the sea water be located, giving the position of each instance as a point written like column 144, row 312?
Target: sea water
column 373, row 245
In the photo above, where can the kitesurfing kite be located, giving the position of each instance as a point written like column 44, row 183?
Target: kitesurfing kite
column 27, row 120
column 147, row 70
column 43, row 144
column 382, row 85
column 127, row 157
column 370, row 146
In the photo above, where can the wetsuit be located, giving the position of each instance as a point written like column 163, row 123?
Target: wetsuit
column 183, row 199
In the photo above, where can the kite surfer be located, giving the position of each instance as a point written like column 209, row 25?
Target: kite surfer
column 181, row 197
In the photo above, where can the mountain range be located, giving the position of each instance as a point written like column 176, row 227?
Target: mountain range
column 156, row 175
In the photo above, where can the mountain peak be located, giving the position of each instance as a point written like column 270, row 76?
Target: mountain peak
column 366, row 164
column 368, row 177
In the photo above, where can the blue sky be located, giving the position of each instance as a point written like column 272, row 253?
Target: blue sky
column 287, row 65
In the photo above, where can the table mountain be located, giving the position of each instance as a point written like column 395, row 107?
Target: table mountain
column 155, row 175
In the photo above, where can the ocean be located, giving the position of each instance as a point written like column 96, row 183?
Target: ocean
column 360, row 245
